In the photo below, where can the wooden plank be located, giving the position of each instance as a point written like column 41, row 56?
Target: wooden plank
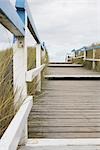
column 65, row 65
column 72, row 77
column 70, row 147
column 12, row 22
column 63, row 129
column 39, row 116
column 65, row 122
column 31, row 74
column 31, row 24
column 90, row 59
column 67, row 109
column 62, row 144
column 51, row 135
column 70, row 71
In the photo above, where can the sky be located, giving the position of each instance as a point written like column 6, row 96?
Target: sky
column 65, row 24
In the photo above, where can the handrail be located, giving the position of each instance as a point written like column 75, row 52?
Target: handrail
column 79, row 57
column 12, row 135
column 12, row 22
column 91, row 59
column 31, row 74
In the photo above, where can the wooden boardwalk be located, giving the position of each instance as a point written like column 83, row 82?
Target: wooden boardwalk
column 67, row 108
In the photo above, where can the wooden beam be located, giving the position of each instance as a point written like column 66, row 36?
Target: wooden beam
column 31, row 24
column 10, row 19
column 31, row 74
column 91, row 59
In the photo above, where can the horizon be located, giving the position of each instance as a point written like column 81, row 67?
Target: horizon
column 68, row 27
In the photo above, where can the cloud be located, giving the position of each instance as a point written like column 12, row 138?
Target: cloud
column 66, row 24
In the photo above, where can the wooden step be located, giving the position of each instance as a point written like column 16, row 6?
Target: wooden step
column 65, row 65
column 72, row 77
column 62, row 144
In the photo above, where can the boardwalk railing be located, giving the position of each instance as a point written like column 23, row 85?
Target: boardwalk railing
column 31, row 74
column 13, row 134
column 85, row 57
column 18, row 23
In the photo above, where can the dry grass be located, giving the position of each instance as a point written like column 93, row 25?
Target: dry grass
column 31, row 61
column 31, row 52
column 97, row 56
column 32, row 64
column 88, row 64
column 7, row 105
column 78, row 61
column 89, row 54
column 6, row 90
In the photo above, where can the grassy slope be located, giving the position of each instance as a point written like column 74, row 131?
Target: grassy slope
column 6, row 90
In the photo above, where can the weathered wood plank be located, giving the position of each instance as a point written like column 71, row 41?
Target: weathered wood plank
column 65, row 65
column 62, row 144
column 71, row 71
column 65, row 135
column 72, row 77
column 67, row 109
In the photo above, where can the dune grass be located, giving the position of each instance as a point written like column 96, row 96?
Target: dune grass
column 6, row 90
column 88, row 64
column 7, row 110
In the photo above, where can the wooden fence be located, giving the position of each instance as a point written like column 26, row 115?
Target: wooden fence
column 92, row 58
column 18, row 24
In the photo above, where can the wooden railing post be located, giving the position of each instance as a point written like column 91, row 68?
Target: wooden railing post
column 84, row 55
column 19, row 70
column 38, row 64
column 93, row 63
column 19, row 73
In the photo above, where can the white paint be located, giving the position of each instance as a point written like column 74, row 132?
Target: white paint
column 67, row 147
column 38, row 64
column 12, row 22
column 91, row 59
column 73, row 76
column 25, row 131
column 93, row 64
column 65, row 65
column 19, row 69
column 29, row 13
column 84, row 55
column 31, row 74
column 47, row 142
column 62, row 144
column 12, row 135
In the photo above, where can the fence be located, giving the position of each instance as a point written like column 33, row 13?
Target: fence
column 18, row 24
column 83, row 55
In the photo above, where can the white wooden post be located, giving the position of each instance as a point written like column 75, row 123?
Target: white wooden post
column 93, row 64
column 20, row 87
column 38, row 64
column 84, row 55
column 19, row 73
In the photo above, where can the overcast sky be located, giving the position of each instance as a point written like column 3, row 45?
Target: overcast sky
column 66, row 24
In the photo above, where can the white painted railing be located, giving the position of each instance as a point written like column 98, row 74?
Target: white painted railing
column 78, row 57
column 31, row 74
column 13, row 134
column 18, row 24
column 91, row 59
